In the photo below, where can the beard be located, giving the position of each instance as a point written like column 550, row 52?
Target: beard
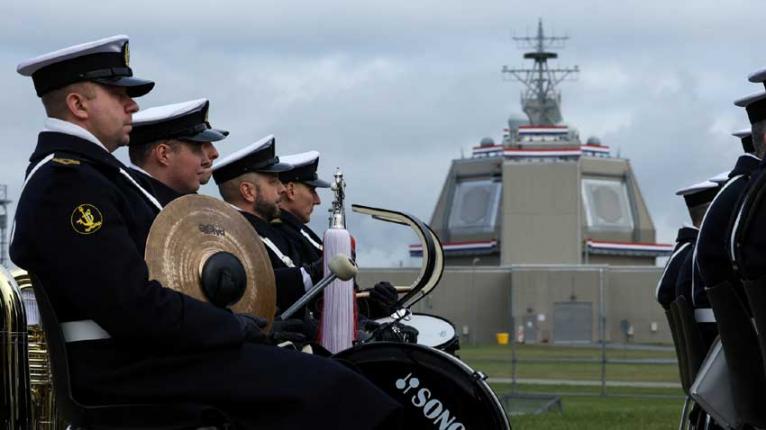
column 266, row 209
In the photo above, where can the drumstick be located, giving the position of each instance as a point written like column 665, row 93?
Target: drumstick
column 341, row 267
column 366, row 293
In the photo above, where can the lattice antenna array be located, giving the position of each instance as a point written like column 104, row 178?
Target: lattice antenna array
column 541, row 100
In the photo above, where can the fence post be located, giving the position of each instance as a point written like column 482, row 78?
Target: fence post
column 602, row 328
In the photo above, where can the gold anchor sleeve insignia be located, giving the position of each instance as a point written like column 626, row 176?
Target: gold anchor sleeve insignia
column 86, row 219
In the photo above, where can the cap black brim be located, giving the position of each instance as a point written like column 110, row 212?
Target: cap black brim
column 317, row 183
column 275, row 168
column 135, row 87
column 209, row 135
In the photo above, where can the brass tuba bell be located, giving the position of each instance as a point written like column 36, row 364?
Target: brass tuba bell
column 26, row 389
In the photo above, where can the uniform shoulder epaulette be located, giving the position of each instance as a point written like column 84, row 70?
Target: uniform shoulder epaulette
column 65, row 161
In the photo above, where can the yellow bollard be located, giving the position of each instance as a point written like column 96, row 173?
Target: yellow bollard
column 502, row 338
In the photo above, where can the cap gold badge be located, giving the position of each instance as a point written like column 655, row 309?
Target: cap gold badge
column 126, row 54
column 86, row 219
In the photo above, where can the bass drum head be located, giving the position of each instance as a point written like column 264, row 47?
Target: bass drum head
column 433, row 331
column 436, row 390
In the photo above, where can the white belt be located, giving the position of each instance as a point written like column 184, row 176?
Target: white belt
column 704, row 315
column 77, row 331
column 275, row 249
column 311, row 240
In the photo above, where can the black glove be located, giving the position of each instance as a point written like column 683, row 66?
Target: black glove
column 397, row 332
column 293, row 330
column 383, row 297
column 252, row 327
column 369, row 325
column 315, row 270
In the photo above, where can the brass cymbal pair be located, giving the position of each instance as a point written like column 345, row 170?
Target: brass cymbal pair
column 190, row 247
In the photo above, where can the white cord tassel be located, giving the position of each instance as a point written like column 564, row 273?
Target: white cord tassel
column 338, row 315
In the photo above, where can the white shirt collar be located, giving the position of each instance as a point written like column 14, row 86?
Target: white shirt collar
column 134, row 167
column 66, row 127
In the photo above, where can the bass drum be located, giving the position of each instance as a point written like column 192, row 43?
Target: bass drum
column 433, row 331
column 437, row 390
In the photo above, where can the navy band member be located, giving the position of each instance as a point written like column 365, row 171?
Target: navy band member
column 172, row 148
column 248, row 179
column 746, row 250
column 747, row 241
column 296, row 206
column 703, row 313
column 301, row 182
column 666, row 286
column 711, row 249
column 697, row 198
column 81, row 227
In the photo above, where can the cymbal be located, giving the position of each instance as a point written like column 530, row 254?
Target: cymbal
column 191, row 229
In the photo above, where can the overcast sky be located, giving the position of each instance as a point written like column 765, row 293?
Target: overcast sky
column 391, row 91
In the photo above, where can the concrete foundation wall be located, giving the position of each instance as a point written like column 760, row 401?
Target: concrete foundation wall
column 482, row 301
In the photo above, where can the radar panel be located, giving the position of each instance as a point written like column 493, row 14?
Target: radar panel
column 607, row 207
column 474, row 206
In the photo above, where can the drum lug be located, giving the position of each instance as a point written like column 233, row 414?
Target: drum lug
column 479, row 375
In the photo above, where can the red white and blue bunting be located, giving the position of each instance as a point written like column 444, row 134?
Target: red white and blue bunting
column 639, row 249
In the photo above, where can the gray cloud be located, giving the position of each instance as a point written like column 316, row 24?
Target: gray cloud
column 392, row 91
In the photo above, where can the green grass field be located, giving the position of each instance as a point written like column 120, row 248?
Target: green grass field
column 625, row 408
column 495, row 361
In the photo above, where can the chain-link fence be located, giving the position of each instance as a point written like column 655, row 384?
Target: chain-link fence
column 574, row 329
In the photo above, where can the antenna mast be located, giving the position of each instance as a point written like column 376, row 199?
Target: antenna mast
column 541, row 100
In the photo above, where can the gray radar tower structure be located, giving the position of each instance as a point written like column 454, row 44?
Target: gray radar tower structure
column 545, row 235
column 541, row 100
column 4, row 202
column 542, row 195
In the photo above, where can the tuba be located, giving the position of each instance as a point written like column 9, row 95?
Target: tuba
column 27, row 399
column 43, row 412
column 15, row 400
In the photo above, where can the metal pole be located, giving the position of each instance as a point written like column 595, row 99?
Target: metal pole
column 602, row 329
column 475, row 301
column 512, row 333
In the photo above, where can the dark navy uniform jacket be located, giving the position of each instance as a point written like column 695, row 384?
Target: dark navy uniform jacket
column 666, row 287
column 55, row 239
column 289, row 280
column 81, row 228
column 712, row 257
column 162, row 192
column 303, row 239
column 685, row 275
column 688, row 279
column 747, row 236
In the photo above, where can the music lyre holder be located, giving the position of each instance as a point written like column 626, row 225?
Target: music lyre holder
column 432, row 263
column 431, row 267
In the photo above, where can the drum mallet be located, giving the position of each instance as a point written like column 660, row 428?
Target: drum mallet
column 341, row 267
